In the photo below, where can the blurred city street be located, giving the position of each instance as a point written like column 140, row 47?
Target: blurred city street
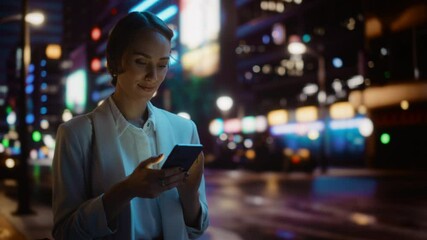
column 339, row 204
column 309, row 111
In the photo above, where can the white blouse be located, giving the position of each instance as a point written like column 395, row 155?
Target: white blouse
column 137, row 144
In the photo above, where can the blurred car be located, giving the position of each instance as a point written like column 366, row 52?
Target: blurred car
column 298, row 160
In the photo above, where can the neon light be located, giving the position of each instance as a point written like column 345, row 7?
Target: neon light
column 144, row 5
column 248, row 124
column 168, row 13
column 261, row 123
column 344, row 124
column 299, row 128
column 76, row 90
column 216, row 127
column 232, row 125
column 347, row 124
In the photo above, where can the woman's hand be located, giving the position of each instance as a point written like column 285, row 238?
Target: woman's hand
column 150, row 183
column 144, row 183
column 193, row 178
column 189, row 193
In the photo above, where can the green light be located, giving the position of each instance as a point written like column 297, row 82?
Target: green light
column 5, row 142
column 8, row 110
column 385, row 138
column 37, row 136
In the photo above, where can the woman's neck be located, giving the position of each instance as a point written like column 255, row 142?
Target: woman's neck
column 131, row 110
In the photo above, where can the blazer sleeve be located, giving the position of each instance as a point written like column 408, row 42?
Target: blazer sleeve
column 194, row 233
column 76, row 214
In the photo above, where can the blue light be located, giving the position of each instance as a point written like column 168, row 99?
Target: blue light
column 43, row 63
column 43, row 110
column 174, row 58
column 31, row 68
column 43, row 98
column 285, row 234
column 29, row 119
column 144, row 5
column 266, row 39
column 29, row 89
column 326, row 186
column 337, row 62
column 96, row 96
column 30, row 79
column 43, row 86
column 175, row 35
column 43, row 74
column 168, row 13
column 306, row 38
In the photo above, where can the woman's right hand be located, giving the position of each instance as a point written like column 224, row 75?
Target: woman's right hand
column 150, row 183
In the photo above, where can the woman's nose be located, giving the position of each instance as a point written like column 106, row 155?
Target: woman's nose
column 151, row 74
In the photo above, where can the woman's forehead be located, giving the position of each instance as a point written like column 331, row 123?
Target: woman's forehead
column 151, row 43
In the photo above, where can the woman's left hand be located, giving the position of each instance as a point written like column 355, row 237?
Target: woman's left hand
column 191, row 184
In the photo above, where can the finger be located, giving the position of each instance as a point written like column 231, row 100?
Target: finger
column 173, row 180
column 150, row 161
column 172, row 185
column 172, row 171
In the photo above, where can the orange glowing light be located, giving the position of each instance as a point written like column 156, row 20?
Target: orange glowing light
column 95, row 64
column 295, row 159
column 95, row 34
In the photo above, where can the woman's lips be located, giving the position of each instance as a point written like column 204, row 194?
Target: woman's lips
column 146, row 88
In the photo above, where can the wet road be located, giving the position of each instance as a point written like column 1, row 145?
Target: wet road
column 342, row 204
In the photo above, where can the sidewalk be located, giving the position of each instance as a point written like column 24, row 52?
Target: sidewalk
column 39, row 225
column 21, row 227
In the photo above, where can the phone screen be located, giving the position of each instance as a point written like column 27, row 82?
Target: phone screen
column 183, row 155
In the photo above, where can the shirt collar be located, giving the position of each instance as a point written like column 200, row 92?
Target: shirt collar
column 122, row 124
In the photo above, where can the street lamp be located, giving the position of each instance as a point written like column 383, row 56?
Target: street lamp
column 296, row 47
column 224, row 103
column 35, row 18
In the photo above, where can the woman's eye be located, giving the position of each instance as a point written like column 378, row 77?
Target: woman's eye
column 141, row 62
column 163, row 66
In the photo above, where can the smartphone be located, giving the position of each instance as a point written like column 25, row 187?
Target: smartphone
column 183, row 155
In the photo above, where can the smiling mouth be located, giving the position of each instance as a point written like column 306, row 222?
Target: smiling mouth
column 145, row 88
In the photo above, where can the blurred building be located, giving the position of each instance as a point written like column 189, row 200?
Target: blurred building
column 43, row 83
column 361, row 65
column 304, row 82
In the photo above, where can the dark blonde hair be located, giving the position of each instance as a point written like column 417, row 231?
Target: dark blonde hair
column 123, row 34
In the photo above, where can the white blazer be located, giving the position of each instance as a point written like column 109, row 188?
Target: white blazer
column 87, row 163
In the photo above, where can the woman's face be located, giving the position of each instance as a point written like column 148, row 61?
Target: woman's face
column 145, row 64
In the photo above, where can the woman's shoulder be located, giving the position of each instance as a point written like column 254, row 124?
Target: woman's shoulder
column 80, row 123
column 174, row 118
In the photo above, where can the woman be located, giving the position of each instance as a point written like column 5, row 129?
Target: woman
column 108, row 182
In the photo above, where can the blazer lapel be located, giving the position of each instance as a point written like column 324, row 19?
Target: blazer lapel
column 106, row 147
column 165, row 138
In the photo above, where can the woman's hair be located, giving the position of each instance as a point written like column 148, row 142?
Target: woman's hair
column 123, row 33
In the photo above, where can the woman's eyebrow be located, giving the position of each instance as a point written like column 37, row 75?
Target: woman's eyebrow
column 148, row 56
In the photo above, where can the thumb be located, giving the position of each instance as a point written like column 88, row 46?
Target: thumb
column 151, row 161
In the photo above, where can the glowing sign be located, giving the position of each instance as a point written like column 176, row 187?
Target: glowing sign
column 306, row 114
column 169, row 12
column 199, row 27
column 277, row 117
column 143, row 5
column 76, row 91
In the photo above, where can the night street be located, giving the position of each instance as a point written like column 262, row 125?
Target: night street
column 343, row 204
column 340, row 204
